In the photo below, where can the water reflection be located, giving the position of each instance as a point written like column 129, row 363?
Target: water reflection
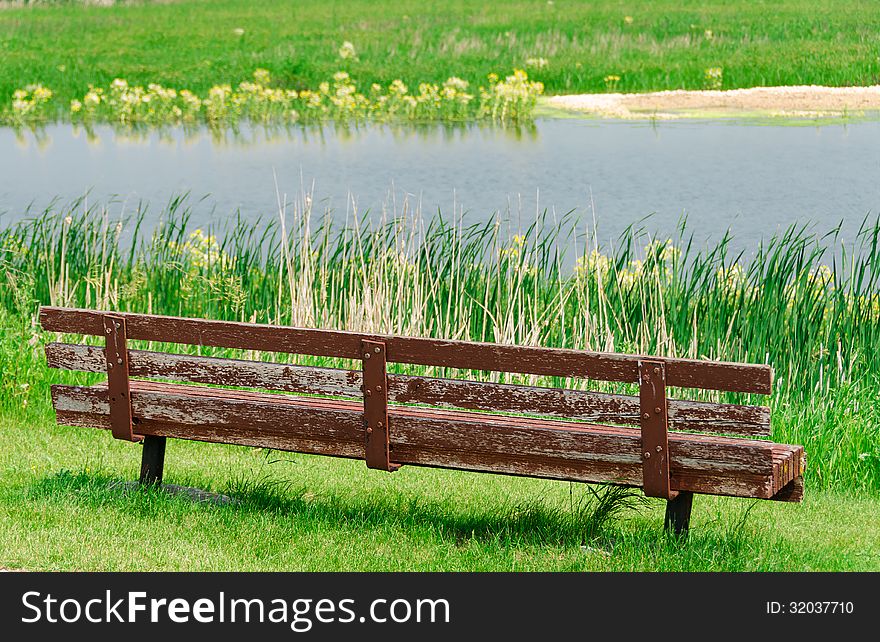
column 272, row 133
column 753, row 180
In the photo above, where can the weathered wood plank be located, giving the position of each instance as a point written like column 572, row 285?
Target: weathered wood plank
column 688, row 373
column 684, row 415
column 431, row 438
column 486, row 419
column 452, row 415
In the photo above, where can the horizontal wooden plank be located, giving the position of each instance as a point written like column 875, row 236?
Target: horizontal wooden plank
column 419, row 436
column 357, row 406
column 684, row 415
column 688, row 373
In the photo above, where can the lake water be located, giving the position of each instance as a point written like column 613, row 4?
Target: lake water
column 750, row 178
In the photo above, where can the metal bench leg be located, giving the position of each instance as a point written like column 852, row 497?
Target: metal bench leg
column 678, row 513
column 152, row 460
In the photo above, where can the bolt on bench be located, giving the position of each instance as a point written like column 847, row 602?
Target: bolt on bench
column 647, row 441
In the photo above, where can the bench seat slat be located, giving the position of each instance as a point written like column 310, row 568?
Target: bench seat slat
column 690, row 373
column 440, row 438
column 684, row 415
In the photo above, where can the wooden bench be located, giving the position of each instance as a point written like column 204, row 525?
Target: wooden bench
column 672, row 448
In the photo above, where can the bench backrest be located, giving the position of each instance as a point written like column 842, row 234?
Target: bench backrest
column 467, row 355
column 651, row 410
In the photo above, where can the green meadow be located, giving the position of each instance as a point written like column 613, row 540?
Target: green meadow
column 570, row 46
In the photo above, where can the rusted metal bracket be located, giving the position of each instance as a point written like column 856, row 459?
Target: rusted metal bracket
column 378, row 443
column 119, row 393
column 655, row 429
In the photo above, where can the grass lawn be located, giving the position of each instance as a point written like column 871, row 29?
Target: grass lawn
column 58, row 512
column 665, row 44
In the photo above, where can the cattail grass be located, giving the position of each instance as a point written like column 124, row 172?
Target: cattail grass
column 808, row 305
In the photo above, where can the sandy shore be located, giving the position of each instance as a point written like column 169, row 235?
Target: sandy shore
column 810, row 101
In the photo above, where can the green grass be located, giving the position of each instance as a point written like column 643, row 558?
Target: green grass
column 60, row 511
column 667, row 45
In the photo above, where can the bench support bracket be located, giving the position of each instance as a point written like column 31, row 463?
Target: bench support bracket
column 377, row 434
column 655, row 429
column 118, row 390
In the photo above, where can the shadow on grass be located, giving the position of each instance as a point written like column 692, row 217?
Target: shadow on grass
column 588, row 518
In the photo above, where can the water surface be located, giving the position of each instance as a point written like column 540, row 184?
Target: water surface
column 752, row 179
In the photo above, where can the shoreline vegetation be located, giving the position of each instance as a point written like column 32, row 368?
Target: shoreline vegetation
column 508, row 100
column 514, row 101
column 803, row 303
